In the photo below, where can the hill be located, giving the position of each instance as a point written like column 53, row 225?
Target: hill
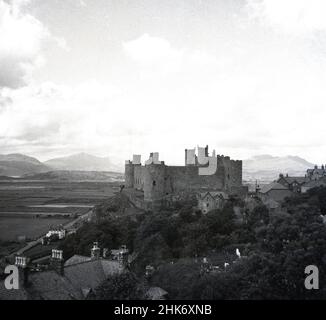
column 82, row 162
column 267, row 167
column 77, row 176
column 18, row 164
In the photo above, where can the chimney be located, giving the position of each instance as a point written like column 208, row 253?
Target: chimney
column 95, row 251
column 57, row 262
column 149, row 270
column 23, row 268
column 123, row 256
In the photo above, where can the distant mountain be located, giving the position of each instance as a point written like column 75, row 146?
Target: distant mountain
column 82, row 162
column 18, row 164
column 77, row 176
column 268, row 168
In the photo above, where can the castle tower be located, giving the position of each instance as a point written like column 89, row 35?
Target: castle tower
column 154, row 182
column 190, row 157
column 130, row 170
column 129, row 174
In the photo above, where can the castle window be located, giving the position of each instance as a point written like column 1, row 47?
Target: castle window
column 228, row 176
column 154, row 183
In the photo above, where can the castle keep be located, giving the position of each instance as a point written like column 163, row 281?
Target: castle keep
column 157, row 181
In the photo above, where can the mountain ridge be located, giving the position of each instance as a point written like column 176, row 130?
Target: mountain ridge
column 259, row 167
column 267, row 167
column 81, row 162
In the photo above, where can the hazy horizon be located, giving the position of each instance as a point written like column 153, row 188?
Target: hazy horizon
column 146, row 156
column 116, row 78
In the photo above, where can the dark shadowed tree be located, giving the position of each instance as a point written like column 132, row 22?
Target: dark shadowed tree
column 124, row 286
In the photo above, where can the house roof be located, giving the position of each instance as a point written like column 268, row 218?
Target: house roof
column 315, row 183
column 90, row 274
column 156, row 293
column 76, row 259
column 291, row 180
column 271, row 203
column 214, row 194
column 319, row 171
column 78, row 280
column 50, row 285
column 5, row 294
column 272, row 186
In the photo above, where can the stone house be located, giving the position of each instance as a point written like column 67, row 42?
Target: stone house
column 274, row 191
column 211, row 200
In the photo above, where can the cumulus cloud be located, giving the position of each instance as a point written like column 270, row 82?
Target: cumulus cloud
column 21, row 36
column 58, row 116
column 158, row 56
column 243, row 88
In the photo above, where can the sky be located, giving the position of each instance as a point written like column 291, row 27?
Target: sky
column 122, row 77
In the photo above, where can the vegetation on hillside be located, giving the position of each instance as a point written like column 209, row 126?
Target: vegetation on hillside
column 275, row 247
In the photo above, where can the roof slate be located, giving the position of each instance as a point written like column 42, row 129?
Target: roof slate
column 79, row 279
column 272, row 186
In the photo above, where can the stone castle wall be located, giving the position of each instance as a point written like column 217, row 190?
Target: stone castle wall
column 159, row 181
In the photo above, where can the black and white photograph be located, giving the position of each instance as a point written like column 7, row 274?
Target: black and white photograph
column 162, row 150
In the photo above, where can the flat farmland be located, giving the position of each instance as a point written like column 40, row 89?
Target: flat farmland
column 12, row 228
column 29, row 208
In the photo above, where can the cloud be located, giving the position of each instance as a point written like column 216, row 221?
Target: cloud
column 148, row 49
column 296, row 17
column 157, row 58
column 50, row 116
column 21, row 36
column 246, row 86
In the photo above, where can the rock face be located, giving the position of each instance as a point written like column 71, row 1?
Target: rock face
column 19, row 164
column 267, row 167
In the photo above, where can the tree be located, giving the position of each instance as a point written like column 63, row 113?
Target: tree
column 124, row 286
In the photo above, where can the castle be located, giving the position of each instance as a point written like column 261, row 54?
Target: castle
column 158, row 181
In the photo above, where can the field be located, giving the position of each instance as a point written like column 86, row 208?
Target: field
column 28, row 208
column 12, row 228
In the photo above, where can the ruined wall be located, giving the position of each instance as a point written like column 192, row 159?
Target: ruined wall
column 139, row 177
column 154, row 182
column 159, row 181
column 233, row 172
column 129, row 175
column 188, row 178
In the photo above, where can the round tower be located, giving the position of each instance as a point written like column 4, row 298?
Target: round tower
column 154, row 182
column 129, row 174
